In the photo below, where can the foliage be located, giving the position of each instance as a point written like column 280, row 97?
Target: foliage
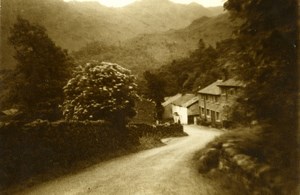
column 267, row 54
column 41, row 71
column 100, row 91
column 189, row 74
column 145, row 112
column 155, row 91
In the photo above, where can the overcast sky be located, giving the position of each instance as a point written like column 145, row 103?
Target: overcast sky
column 120, row 3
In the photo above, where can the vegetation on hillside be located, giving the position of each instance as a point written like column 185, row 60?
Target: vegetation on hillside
column 203, row 66
column 135, row 59
column 150, row 51
column 179, row 43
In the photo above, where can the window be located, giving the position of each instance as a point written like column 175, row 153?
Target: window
column 202, row 111
column 226, row 94
column 232, row 91
column 216, row 99
column 208, row 113
column 223, row 91
column 217, row 116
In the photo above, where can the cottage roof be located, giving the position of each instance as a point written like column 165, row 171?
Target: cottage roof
column 191, row 101
column 186, row 100
column 171, row 99
column 231, row 83
column 212, row 89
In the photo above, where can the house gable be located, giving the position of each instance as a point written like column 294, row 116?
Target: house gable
column 212, row 89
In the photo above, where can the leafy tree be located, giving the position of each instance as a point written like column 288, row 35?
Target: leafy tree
column 266, row 57
column 41, row 71
column 100, row 91
column 156, row 91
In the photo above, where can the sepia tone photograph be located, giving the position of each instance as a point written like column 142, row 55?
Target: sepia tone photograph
column 149, row 97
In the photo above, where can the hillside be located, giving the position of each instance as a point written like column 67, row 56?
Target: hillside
column 175, row 44
column 72, row 25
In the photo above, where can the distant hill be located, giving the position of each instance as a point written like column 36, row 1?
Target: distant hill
column 72, row 25
column 175, row 44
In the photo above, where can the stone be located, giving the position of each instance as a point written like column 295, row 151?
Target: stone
column 262, row 170
column 244, row 161
column 212, row 152
column 230, row 151
column 227, row 145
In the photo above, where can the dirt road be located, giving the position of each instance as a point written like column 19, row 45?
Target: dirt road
column 164, row 170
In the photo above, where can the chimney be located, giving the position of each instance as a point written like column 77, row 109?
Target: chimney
column 224, row 74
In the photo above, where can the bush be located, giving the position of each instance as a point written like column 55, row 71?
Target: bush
column 100, row 91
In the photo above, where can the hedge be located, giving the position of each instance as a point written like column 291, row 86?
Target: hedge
column 30, row 149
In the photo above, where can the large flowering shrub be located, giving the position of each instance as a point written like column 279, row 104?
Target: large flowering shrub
column 100, row 90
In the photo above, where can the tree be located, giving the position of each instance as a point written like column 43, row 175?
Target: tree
column 188, row 74
column 267, row 58
column 41, row 71
column 267, row 64
column 156, row 92
column 100, row 91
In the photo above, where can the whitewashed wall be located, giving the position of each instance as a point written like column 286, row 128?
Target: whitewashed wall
column 183, row 114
